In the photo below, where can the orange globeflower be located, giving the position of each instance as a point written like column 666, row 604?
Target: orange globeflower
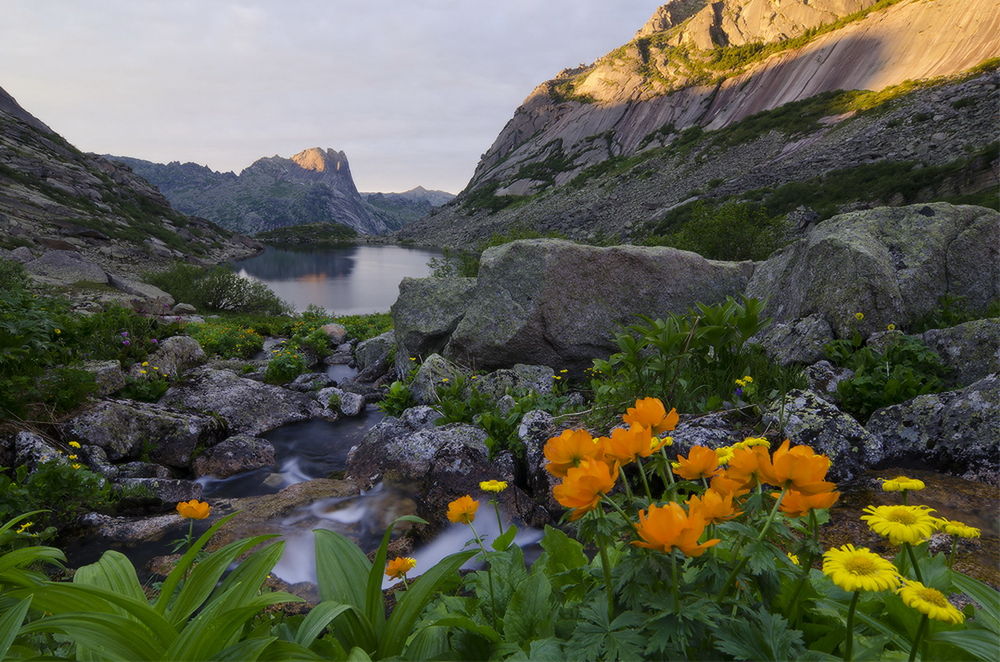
column 625, row 445
column 726, row 485
column 568, row 449
column 583, row 486
column 797, row 504
column 650, row 413
column 399, row 566
column 701, row 462
column 668, row 526
column 745, row 463
column 463, row 510
column 713, row 506
column 799, row 468
column 194, row 509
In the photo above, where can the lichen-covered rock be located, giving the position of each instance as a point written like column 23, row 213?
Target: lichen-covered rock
column 556, row 303
column 183, row 309
column 342, row 402
column 823, row 378
column 971, row 351
column 955, row 430
column 710, row 430
column 310, row 381
column 433, row 372
column 131, row 530
column 167, row 490
column 178, row 354
column 425, row 314
column 521, row 378
column 126, row 429
column 108, row 376
column 806, row 418
column 890, row 263
column 335, row 332
column 31, row 449
column 796, row 341
column 248, row 407
column 234, row 455
column 62, row 267
column 420, row 417
column 158, row 300
column 139, row 469
column 375, row 357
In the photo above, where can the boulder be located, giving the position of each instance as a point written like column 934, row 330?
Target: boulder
column 140, row 470
column 183, row 309
column 971, row 351
column 167, row 490
column 161, row 300
column 335, row 332
column 127, row 429
column 235, row 455
column 131, row 530
column 796, row 341
column 345, row 402
column 556, row 303
column 178, row 354
column 310, row 381
column 806, row 418
column 61, row 267
column 891, row 263
column 377, row 351
column 534, row 431
column 433, row 372
column 709, row 430
column 519, row 379
column 823, row 378
column 955, row 430
column 420, row 417
column 108, row 376
column 247, row 407
column 20, row 254
column 31, row 449
column 425, row 313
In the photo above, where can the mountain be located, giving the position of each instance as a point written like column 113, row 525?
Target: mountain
column 716, row 99
column 313, row 186
column 55, row 197
column 411, row 205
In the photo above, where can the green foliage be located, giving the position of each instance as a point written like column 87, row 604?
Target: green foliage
column 363, row 327
column 485, row 197
column 397, row 399
column 454, row 263
column 115, row 333
column 217, row 289
column 226, row 338
column 148, row 387
column 283, row 366
column 313, row 235
column 61, row 490
column 952, row 311
column 732, row 231
column 901, row 369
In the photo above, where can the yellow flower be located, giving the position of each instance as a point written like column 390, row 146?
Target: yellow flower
column 57, row 331
column 493, row 485
column 463, row 510
column 76, row 466
column 144, row 364
column 74, row 444
column 750, row 442
column 748, row 379
column 725, row 454
column 793, row 558
column 563, row 371
column 399, row 566
column 960, row 529
column 900, row 483
column 930, row 602
column 859, row 569
column 444, row 379
column 24, row 527
column 194, row 509
column 142, row 372
column 556, row 377
column 413, row 358
column 890, row 327
column 741, row 383
column 656, row 443
column 912, row 524
column 859, row 316
column 155, row 367
column 73, row 457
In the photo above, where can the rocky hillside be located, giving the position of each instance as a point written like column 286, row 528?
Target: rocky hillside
column 409, row 205
column 313, row 186
column 53, row 197
column 727, row 92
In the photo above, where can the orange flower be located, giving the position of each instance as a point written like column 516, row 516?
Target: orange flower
column 568, row 449
column 194, row 509
column 713, row 506
column 745, row 463
column 726, row 485
column 399, row 566
column 701, row 462
column 799, row 468
column 668, row 526
column 463, row 510
column 583, row 486
column 797, row 504
column 650, row 413
column 625, row 445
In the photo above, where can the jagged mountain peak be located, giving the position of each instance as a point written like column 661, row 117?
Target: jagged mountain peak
column 318, row 160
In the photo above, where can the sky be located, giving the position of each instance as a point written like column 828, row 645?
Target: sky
column 414, row 91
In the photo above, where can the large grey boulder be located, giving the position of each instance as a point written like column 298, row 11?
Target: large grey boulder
column 556, row 303
column 955, row 430
column 795, row 341
column 806, row 418
column 970, row 351
column 519, row 379
column 374, row 350
column 891, row 263
column 434, row 372
column 345, row 402
column 425, row 313
column 246, row 406
column 65, row 268
column 127, row 430
column 167, row 490
column 178, row 354
column 108, row 376
column 31, row 449
column 234, row 455
column 151, row 293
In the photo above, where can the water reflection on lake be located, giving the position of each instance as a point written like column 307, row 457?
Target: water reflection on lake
column 349, row 280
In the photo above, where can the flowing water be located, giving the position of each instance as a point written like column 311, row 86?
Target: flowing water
column 349, row 280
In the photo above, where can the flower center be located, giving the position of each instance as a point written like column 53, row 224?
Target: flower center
column 860, row 565
column 933, row 596
column 901, row 516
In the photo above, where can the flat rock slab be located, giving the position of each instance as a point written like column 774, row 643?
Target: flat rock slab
column 62, row 267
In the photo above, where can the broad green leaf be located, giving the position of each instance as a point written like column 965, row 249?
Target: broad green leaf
column 340, row 569
column 374, row 607
column 466, row 623
column 504, row 541
column 10, row 624
column 249, row 574
column 983, row 644
column 180, row 571
column 988, row 599
column 430, row 643
column 318, row 618
column 528, row 615
column 26, row 556
column 113, row 572
column 111, row 636
column 248, row 650
column 414, row 600
column 351, row 628
column 358, row 655
column 562, row 552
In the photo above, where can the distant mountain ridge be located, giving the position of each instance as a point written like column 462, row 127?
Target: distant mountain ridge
column 313, row 186
column 409, row 205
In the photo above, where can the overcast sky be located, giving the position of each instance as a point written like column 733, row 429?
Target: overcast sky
column 412, row 90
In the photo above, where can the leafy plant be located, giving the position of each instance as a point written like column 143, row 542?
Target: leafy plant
column 226, row 338
column 397, row 399
column 952, row 311
column 217, row 289
column 732, row 231
column 59, row 490
column 284, row 366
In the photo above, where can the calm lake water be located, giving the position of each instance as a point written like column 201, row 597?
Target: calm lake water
column 350, row 280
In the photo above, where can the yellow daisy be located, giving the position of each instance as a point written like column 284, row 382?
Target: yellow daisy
column 960, row 529
column 930, row 602
column 493, row 485
column 750, row 442
column 725, row 454
column 858, row 569
column 900, row 483
column 912, row 524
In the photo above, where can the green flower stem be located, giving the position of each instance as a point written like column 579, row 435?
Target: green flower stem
column 793, row 604
column 760, row 536
column 918, row 638
column 913, row 561
column 906, row 497
column 496, row 509
column 954, row 548
column 668, row 475
column 676, row 583
column 628, row 488
column 645, row 483
column 489, row 574
column 618, row 508
column 606, row 568
column 849, row 646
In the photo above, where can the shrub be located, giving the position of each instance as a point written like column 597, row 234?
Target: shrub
column 363, row 327
column 227, row 339
column 732, row 231
column 218, row 289
column 60, row 490
column 397, row 399
column 284, row 366
column 115, row 333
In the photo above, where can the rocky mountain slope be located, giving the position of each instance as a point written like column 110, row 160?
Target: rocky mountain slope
column 698, row 70
column 53, row 197
column 313, row 186
column 409, row 205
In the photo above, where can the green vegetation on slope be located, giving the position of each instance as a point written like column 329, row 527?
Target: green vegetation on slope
column 318, row 235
